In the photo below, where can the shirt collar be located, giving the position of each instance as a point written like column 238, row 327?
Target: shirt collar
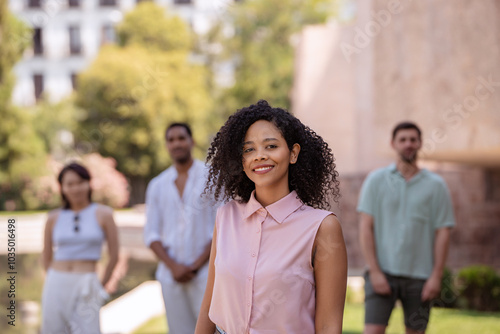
column 175, row 174
column 393, row 169
column 279, row 210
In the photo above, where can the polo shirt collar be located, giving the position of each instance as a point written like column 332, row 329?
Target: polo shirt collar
column 279, row 210
column 421, row 173
column 393, row 168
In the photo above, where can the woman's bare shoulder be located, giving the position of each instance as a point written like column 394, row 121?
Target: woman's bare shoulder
column 104, row 210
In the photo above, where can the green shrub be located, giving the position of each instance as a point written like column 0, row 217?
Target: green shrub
column 449, row 292
column 479, row 288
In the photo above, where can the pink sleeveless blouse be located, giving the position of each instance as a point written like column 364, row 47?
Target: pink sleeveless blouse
column 264, row 279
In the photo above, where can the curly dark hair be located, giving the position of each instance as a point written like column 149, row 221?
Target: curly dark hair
column 313, row 176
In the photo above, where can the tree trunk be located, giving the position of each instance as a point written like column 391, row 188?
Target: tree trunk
column 138, row 186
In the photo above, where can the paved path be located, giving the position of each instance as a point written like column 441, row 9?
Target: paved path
column 29, row 233
column 127, row 313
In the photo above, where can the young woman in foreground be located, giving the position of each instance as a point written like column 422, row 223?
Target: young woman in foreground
column 278, row 262
column 74, row 235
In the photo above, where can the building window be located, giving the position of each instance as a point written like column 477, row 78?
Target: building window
column 37, row 42
column 38, row 83
column 180, row 2
column 108, row 34
column 75, row 46
column 74, row 82
column 73, row 3
column 34, row 4
column 103, row 3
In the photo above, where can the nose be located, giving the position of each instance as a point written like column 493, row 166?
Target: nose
column 261, row 155
column 175, row 144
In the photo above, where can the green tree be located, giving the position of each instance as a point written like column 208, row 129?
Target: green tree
column 262, row 49
column 168, row 33
column 55, row 123
column 21, row 150
column 132, row 91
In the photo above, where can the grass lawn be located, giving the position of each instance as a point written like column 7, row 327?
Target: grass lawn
column 443, row 321
column 156, row 325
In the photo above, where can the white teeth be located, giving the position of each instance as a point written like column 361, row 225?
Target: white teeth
column 262, row 169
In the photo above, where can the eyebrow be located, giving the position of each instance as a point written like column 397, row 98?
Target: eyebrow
column 265, row 140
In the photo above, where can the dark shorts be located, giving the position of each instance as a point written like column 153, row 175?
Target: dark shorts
column 378, row 308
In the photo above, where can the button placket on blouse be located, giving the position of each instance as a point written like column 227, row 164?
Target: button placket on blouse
column 254, row 251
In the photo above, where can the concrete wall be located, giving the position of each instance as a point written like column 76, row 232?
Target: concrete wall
column 436, row 62
column 433, row 62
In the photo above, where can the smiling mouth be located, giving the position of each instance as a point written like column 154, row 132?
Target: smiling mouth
column 263, row 170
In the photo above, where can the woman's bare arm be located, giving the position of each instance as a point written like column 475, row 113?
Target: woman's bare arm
column 204, row 324
column 105, row 216
column 47, row 239
column 330, row 273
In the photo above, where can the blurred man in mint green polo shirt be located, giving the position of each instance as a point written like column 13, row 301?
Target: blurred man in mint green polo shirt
column 405, row 220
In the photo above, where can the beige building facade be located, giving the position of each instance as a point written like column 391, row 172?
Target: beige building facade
column 434, row 62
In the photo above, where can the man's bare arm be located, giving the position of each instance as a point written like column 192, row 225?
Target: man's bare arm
column 367, row 240
column 432, row 286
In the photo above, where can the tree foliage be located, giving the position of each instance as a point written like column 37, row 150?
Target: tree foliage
column 55, row 123
column 149, row 26
column 132, row 91
column 21, row 150
column 129, row 95
column 262, row 47
column 15, row 37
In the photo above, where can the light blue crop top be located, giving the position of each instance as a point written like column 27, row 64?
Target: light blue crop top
column 84, row 244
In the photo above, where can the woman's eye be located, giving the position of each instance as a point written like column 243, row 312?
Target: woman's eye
column 272, row 146
column 247, row 150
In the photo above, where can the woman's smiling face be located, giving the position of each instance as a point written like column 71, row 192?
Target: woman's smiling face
column 266, row 156
column 75, row 188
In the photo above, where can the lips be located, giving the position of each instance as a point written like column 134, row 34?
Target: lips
column 410, row 152
column 262, row 169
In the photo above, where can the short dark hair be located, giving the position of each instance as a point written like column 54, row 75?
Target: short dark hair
column 313, row 176
column 181, row 124
column 406, row 125
column 81, row 171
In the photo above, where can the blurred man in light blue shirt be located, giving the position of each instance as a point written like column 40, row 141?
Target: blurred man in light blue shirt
column 405, row 221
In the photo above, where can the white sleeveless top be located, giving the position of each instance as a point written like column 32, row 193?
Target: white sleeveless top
column 81, row 243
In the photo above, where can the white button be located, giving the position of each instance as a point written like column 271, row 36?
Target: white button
column 249, row 278
column 248, row 304
column 253, row 254
column 258, row 231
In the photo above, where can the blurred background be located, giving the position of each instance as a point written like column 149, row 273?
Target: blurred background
column 97, row 81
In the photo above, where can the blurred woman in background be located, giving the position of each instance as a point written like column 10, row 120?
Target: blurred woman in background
column 74, row 235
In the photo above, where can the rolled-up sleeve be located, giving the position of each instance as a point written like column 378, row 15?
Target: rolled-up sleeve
column 152, row 228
